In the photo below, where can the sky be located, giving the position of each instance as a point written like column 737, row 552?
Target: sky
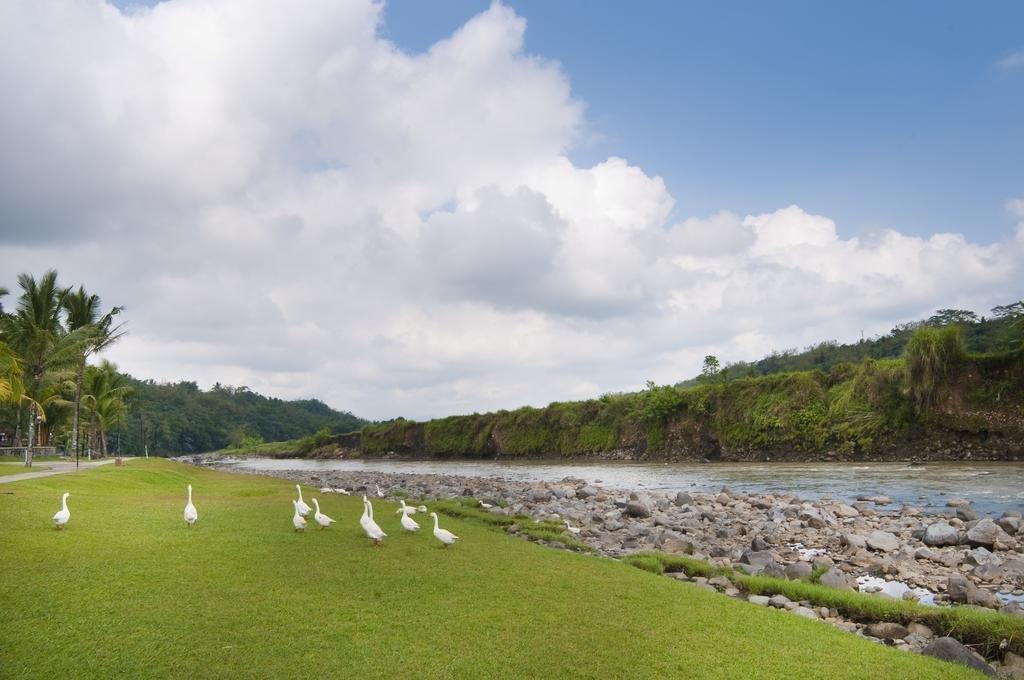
column 419, row 209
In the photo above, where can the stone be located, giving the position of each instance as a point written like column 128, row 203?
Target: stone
column 586, row 491
column 759, row 600
column 757, row 558
column 984, row 533
column 778, row 601
column 957, row 502
column 883, row 540
column 1013, row 666
column 683, row 498
column 833, row 578
column 1010, row 525
column 637, row 508
column 540, row 495
column 958, row 588
column 948, row 649
column 966, row 513
column 855, row 541
column 920, row 630
column 940, row 534
column 886, row 630
column 797, row 571
column 844, row 510
column 822, row 562
column 806, row 613
column 759, row 544
column 722, row 499
column 773, row 570
column 980, row 556
column 983, row 598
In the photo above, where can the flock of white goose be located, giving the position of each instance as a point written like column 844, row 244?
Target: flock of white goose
column 368, row 524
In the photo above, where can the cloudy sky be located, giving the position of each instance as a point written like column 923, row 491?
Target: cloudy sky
column 420, row 209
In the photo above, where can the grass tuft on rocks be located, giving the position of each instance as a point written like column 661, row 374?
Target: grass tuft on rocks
column 984, row 629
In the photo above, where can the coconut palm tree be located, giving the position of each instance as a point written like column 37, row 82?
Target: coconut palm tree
column 83, row 312
column 103, row 395
column 10, row 375
column 44, row 347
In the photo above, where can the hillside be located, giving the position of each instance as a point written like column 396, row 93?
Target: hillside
column 936, row 400
column 176, row 418
column 982, row 335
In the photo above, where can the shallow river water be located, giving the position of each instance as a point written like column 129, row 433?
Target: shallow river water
column 993, row 487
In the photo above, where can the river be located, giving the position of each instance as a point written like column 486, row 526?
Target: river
column 993, row 487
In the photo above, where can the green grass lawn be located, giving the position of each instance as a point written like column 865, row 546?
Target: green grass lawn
column 127, row 590
column 17, row 468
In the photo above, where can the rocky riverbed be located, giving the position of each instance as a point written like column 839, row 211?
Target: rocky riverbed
column 869, row 544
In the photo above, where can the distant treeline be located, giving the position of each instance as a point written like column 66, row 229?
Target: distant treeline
column 179, row 418
column 950, row 386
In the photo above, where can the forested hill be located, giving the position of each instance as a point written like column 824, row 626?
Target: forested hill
column 982, row 335
column 180, row 418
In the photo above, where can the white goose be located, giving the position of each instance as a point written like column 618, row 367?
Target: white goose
column 341, row 491
column 371, row 528
column 380, row 494
column 575, row 531
column 301, row 506
column 446, row 537
column 63, row 515
column 408, row 523
column 297, row 521
column 190, row 513
column 407, row 509
column 326, row 489
column 323, row 520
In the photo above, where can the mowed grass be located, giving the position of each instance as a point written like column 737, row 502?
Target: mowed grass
column 7, row 468
column 128, row 591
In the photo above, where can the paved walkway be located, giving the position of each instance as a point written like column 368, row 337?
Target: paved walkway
column 54, row 469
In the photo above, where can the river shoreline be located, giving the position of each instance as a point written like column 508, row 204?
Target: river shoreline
column 869, row 538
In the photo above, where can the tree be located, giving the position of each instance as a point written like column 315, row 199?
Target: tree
column 948, row 317
column 1010, row 311
column 104, row 393
column 10, row 375
column 44, row 348
column 711, row 367
column 83, row 312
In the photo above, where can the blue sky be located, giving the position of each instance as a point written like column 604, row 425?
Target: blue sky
column 893, row 115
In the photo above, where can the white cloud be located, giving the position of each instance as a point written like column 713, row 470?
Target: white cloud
column 1011, row 60
column 286, row 200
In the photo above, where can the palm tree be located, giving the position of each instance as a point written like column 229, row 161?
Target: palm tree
column 45, row 348
column 83, row 312
column 104, row 392
column 10, row 375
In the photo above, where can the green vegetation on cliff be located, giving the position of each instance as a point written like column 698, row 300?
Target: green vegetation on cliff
column 935, row 391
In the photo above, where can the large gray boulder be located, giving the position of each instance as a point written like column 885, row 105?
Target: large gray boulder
column 759, row 559
column 940, row 534
column 958, row 588
column 683, row 498
column 798, row 570
column 886, row 630
column 833, row 578
column 637, row 508
column 883, row 541
column 985, row 533
column 587, row 491
column 948, row 649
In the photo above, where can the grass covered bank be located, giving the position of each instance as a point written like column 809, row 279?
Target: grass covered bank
column 936, row 401
column 128, row 591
